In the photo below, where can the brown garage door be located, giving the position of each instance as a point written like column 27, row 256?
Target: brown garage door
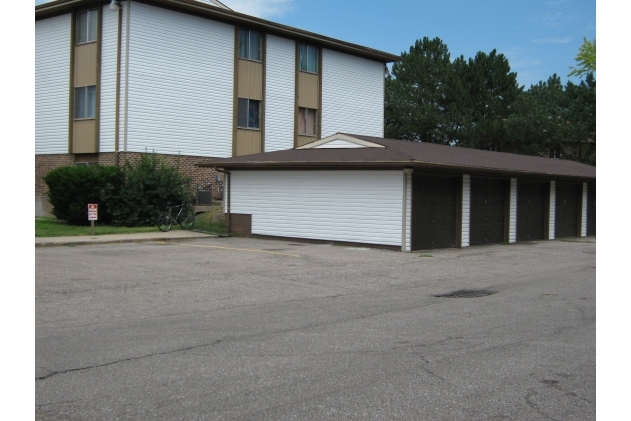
column 567, row 201
column 434, row 208
column 488, row 199
column 531, row 210
column 591, row 209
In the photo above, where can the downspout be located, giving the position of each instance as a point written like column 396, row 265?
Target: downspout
column 118, row 88
column 226, row 193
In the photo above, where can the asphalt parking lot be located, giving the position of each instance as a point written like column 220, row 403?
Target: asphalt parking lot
column 249, row 329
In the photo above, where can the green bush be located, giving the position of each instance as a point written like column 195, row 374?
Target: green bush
column 146, row 189
column 72, row 188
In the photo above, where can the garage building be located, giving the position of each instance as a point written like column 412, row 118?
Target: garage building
column 407, row 195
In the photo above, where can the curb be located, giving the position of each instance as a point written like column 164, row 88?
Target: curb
column 126, row 240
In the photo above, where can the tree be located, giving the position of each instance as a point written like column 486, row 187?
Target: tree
column 586, row 59
column 487, row 90
column 416, row 105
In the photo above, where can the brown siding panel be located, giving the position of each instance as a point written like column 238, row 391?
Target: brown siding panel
column 84, row 136
column 303, row 140
column 250, row 79
column 85, row 64
column 248, row 142
column 308, row 90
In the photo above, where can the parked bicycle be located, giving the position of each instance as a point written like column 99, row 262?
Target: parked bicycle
column 180, row 214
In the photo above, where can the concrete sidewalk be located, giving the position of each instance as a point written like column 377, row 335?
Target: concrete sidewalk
column 119, row 238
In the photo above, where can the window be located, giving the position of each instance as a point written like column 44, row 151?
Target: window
column 307, row 121
column 85, row 102
column 248, row 114
column 249, row 44
column 308, row 58
column 85, row 29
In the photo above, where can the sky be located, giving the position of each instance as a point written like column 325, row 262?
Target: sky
column 539, row 37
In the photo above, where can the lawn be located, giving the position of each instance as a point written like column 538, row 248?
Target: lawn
column 49, row 226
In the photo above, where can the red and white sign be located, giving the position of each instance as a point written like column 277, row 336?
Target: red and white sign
column 93, row 209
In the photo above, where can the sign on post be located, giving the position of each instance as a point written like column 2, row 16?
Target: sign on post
column 93, row 210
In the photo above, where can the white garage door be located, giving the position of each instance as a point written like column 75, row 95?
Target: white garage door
column 353, row 206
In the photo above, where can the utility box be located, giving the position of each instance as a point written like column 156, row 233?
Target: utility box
column 204, row 198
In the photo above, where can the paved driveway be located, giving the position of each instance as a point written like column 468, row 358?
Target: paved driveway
column 235, row 328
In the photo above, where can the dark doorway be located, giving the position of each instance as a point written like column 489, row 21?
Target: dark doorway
column 531, row 210
column 434, row 212
column 567, row 201
column 488, row 205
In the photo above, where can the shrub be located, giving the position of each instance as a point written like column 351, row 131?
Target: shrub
column 72, row 188
column 146, row 189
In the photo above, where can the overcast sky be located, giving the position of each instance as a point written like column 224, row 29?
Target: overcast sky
column 539, row 37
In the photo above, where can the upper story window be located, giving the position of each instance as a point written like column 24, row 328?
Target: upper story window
column 249, row 44
column 85, row 102
column 248, row 113
column 308, row 58
column 85, row 29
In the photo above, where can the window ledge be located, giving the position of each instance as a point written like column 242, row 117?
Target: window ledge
column 87, row 42
column 84, row 119
column 249, row 128
column 306, row 71
column 251, row 59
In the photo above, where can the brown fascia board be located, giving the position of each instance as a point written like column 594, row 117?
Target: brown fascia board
column 417, row 166
column 230, row 16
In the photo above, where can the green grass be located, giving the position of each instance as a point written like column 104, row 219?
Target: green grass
column 49, row 226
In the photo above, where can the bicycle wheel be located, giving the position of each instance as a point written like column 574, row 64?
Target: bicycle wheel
column 165, row 221
column 187, row 219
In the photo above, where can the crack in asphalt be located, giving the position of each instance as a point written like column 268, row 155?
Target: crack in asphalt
column 53, row 373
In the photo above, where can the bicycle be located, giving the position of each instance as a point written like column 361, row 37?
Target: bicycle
column 184, row 216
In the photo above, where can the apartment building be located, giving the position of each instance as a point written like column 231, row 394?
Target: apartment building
column 192, row 81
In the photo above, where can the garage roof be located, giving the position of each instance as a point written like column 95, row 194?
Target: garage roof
column 351, row 151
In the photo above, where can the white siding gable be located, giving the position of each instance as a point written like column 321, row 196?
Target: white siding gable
column 180, row 86
column 52, row 84
column 351, row 206
column 280, row 75
column 339, row 144
column 352, row 95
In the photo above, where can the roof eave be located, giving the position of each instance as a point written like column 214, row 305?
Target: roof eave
column 56, row 7
column 419, row 166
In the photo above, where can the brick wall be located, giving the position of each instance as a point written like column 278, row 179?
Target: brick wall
column 205, row 178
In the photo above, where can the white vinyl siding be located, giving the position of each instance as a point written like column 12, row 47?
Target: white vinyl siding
column 466, row 209
column 408, row 212
column 584, row 212
column 109, row 40
column 181, row 71
column 52, row 84
column 352, row 95
column 339, row 144
column 512, row 212
column 551, row 221
column 280, row 74
column 322, row 205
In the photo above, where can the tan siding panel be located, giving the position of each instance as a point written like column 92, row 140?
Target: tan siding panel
column 308, row 90
column 248, row 142
column 84, row 136
column 85, row 61
column 303, row 140
column 250, row 79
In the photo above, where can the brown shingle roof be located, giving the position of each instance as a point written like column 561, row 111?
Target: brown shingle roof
column 403, row 153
